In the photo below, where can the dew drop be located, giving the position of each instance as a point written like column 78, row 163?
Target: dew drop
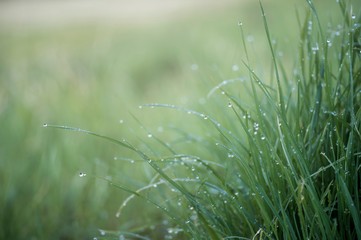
column 81, row 174
column 45, row 125
column 140, row 106
column 240, row 23
column 229, row 104
column 150, row 135
column 329, row 43
column 121, row 121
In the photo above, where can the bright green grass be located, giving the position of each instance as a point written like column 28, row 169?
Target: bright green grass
column 284, row 165
column 248, row 163
column 92, row 76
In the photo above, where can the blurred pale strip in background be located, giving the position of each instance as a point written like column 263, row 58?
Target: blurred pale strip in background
column 30, row 13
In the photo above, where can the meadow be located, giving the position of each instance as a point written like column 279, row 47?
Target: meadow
column 222, row 124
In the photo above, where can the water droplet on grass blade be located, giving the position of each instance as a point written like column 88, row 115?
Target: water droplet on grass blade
column 121, row 121
column 150, row 135
column 81, row 174
column 45, row 125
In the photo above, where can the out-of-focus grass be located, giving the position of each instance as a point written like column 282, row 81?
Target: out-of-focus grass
column 91, row 77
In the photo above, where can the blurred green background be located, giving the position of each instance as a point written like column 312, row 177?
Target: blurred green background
column 91, row 71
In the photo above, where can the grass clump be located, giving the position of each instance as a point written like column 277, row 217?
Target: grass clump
column 282, row 164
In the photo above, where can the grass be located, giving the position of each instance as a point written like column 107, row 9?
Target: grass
column 273, row 154
column 286, row 164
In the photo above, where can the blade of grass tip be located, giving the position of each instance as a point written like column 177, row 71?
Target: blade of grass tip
column 324, row 44
column 216, row 124
column 173, row 217
column 152, row 184
column 170, row 149
column 325, row 73
column 118, row 233
column 225, row 82
column 127, row 145
column 252, row 82
column 113, row 140
column 280, row 94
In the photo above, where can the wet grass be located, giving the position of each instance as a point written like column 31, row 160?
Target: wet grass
column 272, row 153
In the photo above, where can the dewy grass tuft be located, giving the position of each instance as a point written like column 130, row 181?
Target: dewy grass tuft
column 286, row 165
